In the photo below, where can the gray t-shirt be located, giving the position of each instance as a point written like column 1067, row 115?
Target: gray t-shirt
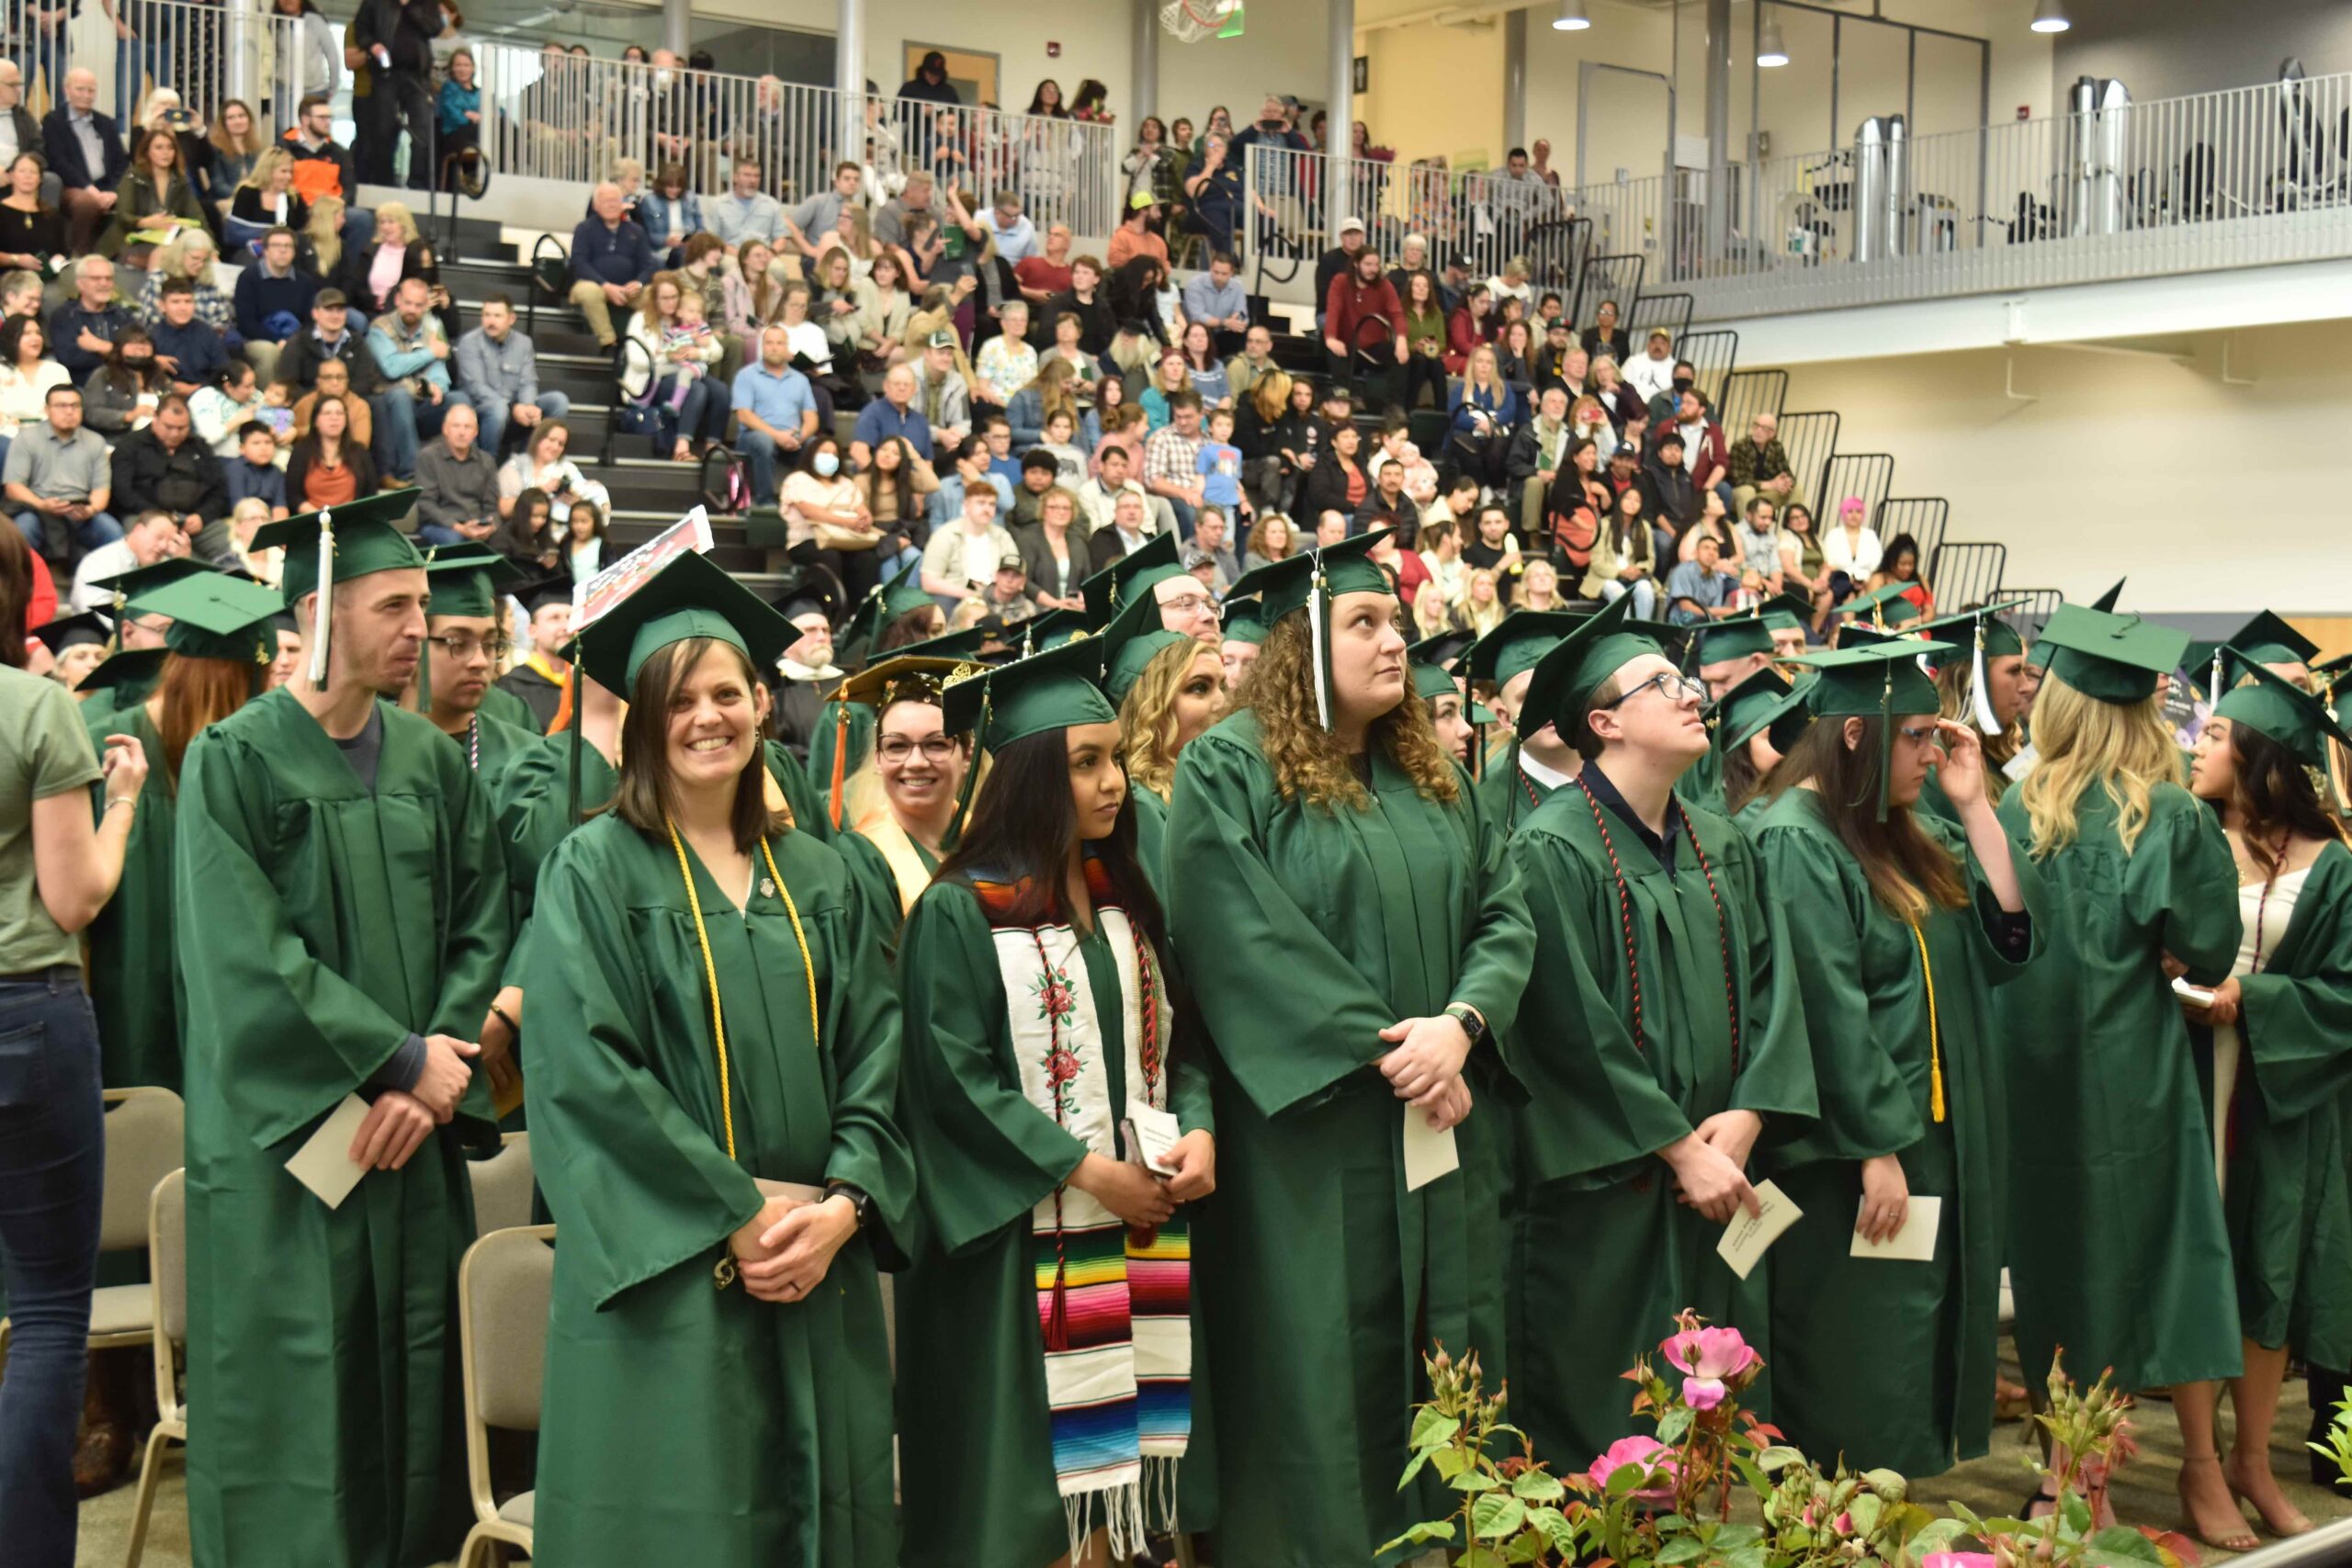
column 44, row 752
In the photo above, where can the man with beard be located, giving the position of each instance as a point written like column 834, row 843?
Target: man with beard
column 806, row 670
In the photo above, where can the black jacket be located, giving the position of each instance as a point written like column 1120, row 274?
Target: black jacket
column 405, row 29
column 1326, row 489
column 1667, row 494
column 298, row 363
column 64, row 151
column 147, row 478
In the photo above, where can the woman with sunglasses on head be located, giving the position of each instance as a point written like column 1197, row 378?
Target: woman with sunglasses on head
column 2118, row 1250
column 714, row 1069
column 2274, row 1041
column 1046, row 1368
column 1894, row 928
column 1331, row 869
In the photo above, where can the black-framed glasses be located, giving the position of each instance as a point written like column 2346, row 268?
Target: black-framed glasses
column 1676, row 688
column 462, row 646
column 898, row 748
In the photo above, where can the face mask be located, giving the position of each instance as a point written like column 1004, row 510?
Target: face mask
column 663, row 77
column 1682, row 383
column 828, row 465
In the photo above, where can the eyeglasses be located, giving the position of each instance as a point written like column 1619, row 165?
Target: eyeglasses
column 1673, row 687
column 462, row 646
column 898, row 748
column 1917, row 734
column 1190, row 604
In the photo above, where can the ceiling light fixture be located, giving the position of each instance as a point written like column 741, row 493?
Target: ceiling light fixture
column 1770, row 50
column 2050, row 17
column 1571, row 19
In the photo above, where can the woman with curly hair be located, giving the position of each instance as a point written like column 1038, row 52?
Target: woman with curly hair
column 2118, row 1251
column 1169, row 688
column 1329, row 870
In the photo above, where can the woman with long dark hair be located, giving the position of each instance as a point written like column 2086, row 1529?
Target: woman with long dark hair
column 1329, row 864
column 1897, row 928
column 1903, row 564
column 1755, row 724
column 1059, row 1125
column 1624, row 555
column 2274, row 1040
column 712, row 1082
column 2118, row 1252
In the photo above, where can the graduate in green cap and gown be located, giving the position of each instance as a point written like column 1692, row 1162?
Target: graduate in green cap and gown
column 1751, row 728
column 841, row 735
column 1358, row 946
column 137, row 652
column 1894, row 928
column 1048, row 1372
column 1538, row 761
column 1453, row 716
column 1983, row 684
column 1656, row 1041
column 2266, row 640
column 2118, row 1251
column 897, row 811
column 1169, row 687
column 2275, row 1047
column 715, row 1067
column 1722, row 654
column 538, row 681
column 341, row 920
column 1241, row 631
column 216, row 652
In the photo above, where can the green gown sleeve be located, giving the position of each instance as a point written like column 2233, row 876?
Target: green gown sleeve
column 2181, row 878
column 481, row 932
column 1999, row 967
column 297, row 1036
column 1776, row 1078
column 1599, row 1102
column 1189, row 1081
column 640, row 1187
column 807, row 806
column 868, row 1151
column 2296, row 1014
column 1498, row 948
column 874, row 887
column 984, row 1154
column 1817, row 918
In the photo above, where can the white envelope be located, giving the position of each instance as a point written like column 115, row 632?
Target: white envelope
column 324, row 1163
column 1747, row 1237
column 1154, row 1136
column 1915, row 1243
column 1429, row 1154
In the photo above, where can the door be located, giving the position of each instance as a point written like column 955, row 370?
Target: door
column 970, row 72
column 1625, row 130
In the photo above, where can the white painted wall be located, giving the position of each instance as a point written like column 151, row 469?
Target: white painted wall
column 2213, row 498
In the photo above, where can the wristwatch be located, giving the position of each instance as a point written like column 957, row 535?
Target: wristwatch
column 1472, row 1023
column 860, row 1202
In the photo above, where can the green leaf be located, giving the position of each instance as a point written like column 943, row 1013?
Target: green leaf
column 1420, row 1535
column 1528, row 1546
column 1493, row 1517
column 1936, row 1537
column 1554, row 1526
column 1480, row 1557
column 1475, row 1481
column 1747, row 1557
column 1537, row 1486
column 1731, row 1538
column 1450, row 1463
column 1623, row 1479
column 1864, row 1510
column 1432, row 1429
column 1779, row 1456
column 1682, row 1549
column 2075, row 1512
column 1674, row 1425
column 2121, row 1543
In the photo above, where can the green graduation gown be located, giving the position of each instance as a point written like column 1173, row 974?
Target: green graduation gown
column 1934, row 802
column 1888, row 1363
column 320, row 923
column 2287, row 1207
column 975, row 1436
column 131, row 942
column 1509, row 794
column 1151, row 838
column 861, row 721
column 2119, row 1251
column 685, row 1423
column 504, row 705
column 1701, row 783
column 1598, row 1238
column 1322, row 1280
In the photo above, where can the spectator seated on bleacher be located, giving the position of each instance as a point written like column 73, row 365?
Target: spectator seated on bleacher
column 1014, row 236
column 968, row 469
column 1136, row 236
column 191, row 258
column 164, row 467
column 122, row 395
column 891, row 414
column 671, row 212
column 745, row 212
column 966, row 546
column 32, row 229
column 457, row 498
column 542, row 465
column 812, row 227
column 1672, row 499
column 1651, row 373
column 612, row 261
column 499, row 368
column 775, row 411
column 191, row 352
column 395, row 253
column 1171, row 461
column 59, row 480
column 153, row 201
column 323, row 168
column 1212, row 188
column 1703, row 446
column 273, row 300
column 940, row 390
column 328, row 464
column 254, row 470
column 83, row 329
column 335, row 381
column 412, row 353
column 1364, row 324
column 1760, row 465
column 331, row 335
column 152, row 538
column 27, row 373
column 1217, row 299
column 84, row 147
column 268, row 197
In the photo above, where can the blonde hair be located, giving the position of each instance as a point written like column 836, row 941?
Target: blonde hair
column 1308, row 761
column 403, row 220
column 1432, row 616
column 324, row 231
column 1494, row 380
column 1476, row 618
column 267, row 164
column 2122, row 748
column 1527, row 584
column 1148, row 718
column 625, row 167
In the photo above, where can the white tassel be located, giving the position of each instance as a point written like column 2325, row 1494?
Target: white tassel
column 1315, row 643
column 2213, row 683
column 326, row 600
column 1986, row 722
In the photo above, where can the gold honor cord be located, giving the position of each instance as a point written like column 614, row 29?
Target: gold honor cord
column 710, row 970
column 1935, row 1038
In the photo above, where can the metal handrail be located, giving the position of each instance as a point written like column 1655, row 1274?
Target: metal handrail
column 621, row 399
column 541, row 249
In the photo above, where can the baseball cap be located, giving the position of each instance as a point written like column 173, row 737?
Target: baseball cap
column 329, row 300
column 1009, row 563
column 1347, row 223
column 940, row 339
column 1143, row 198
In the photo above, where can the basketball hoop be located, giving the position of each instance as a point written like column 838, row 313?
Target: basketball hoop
column 1193, row 20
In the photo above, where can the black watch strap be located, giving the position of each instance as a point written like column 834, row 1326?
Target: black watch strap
column 1468, row 1017
column 860, row 1202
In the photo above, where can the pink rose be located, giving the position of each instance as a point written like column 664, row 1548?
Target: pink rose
column 1958, row 1560
column 1647, row 1453
column 1708, row 1358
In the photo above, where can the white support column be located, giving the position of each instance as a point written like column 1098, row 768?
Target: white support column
column 1142, row 59
column 1515, row 79
column 677, row 17
column 1341, row 40
column 1718, row 209
column 848, row 79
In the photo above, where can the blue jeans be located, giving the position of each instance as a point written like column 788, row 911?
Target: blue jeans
column 1645, row 594
column 53, row 1173
column 401, row 421
column 759, row 451
column 701, row 417
column 496, row 412
column 97, row 529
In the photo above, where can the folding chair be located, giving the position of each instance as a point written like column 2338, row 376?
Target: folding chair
column 505, row 1286
column 167, row 1269
column 502, row 1185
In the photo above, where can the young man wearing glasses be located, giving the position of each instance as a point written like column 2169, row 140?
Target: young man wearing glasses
column 465, row 648
column 1653, row 1041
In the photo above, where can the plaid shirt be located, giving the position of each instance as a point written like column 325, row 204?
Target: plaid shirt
column 1173, row 457
column 1752, row 464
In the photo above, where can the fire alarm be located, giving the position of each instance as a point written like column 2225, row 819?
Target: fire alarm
column 2025, row 111
column 1053, row 50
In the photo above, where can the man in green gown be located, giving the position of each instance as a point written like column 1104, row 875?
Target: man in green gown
column 1982, row 684
column 463, row 644
column 342, row 920
column 1725, row 653
column 1538, row 761
column 1650, row 1072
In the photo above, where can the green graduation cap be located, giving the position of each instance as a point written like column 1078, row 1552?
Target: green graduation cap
column 216, row 616
column 2280, row 710
column 1137, row 573
column 1790, row 611
column 1740, row 636
column 1518, row 643
column 2335, row 678
column 1054, row 628
column 134, row 581
column 2265, row 640
column 1053, row 690
column 468, row 579
column 1885, row 606
column 1310, row 581
column 1984, row 636
column 1877, row 680
column 1767, row 699
column 334, row 545
column 2113, row 659
column 689, row 597
column 902, row 677
column 1427, row 659
column 1244, row 620
column 964, row 644
column 1134, row 639
column 1567, row 675
column 884, row 604
column 132, row 667
column 74, row 631
column 2107, row 600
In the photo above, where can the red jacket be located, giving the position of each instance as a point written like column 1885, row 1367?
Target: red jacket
column 1362, row 315
column 1462, row 336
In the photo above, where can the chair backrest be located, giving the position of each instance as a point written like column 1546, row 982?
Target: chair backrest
column 143, row 1144
column 505, row 1286
column 501, row 1186
column 167, row 1277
